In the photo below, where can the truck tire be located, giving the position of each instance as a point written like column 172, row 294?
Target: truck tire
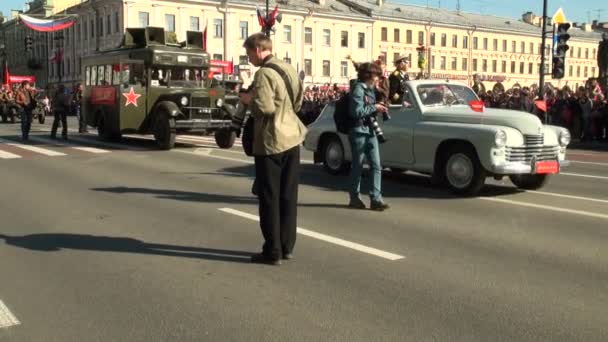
column 224, row 138
column 529, row 182
column 164, row 132
column 463, row 173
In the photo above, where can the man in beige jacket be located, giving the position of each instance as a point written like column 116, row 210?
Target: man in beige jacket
column 278, row 133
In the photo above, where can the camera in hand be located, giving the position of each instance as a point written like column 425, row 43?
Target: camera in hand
column 372, row 123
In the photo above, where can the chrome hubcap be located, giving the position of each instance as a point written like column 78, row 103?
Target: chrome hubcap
column 334, row 155
column 459, row 171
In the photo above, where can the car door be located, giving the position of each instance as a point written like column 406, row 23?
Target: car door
column 133, row 89
column 399, row 132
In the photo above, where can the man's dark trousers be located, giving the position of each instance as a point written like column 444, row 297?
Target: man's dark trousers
column 60, row 114
column 26, row 122
column 278, row 178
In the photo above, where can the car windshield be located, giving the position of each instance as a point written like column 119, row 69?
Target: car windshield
column 178, row 76
column 435, row 95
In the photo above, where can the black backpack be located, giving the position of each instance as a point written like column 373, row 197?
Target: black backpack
column 342, row 117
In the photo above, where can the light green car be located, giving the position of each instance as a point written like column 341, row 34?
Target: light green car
column 443, row 130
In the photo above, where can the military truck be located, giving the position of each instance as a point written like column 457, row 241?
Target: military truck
column 148, row 86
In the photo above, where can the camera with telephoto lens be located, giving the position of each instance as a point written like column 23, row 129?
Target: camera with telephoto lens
column 372, row 123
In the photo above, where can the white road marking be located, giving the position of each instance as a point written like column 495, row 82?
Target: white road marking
column 7, row 319
column 582, row 175
column 8, row 155
column 206, row 152
column 567, row 196
column 326, row 238
column 80, row 148
column 35, row 149
column 590, row 163
column 546, row 207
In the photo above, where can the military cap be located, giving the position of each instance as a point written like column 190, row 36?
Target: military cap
column 401, row 58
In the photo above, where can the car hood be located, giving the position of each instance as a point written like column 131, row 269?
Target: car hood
column 524, row 122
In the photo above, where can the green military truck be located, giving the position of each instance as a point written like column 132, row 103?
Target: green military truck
column 148, row 86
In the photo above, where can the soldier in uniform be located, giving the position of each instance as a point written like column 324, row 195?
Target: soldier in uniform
column 397, row 80
column 4, row 99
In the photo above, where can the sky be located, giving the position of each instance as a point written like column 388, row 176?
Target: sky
column 576, row 10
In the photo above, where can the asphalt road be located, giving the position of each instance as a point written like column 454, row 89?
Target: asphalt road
column 122, row 242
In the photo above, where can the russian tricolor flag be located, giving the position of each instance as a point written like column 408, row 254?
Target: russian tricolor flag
column 47, row 25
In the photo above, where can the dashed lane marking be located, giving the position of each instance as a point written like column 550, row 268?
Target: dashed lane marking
column 588, row 163
column 7, row 319
column 206, row 152
column 546, row 207
column 582, row 175
column 8, row 155
column 323, row 237
column 567, row 196
column 35, row 149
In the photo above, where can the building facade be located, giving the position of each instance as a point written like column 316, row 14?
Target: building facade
column 315, row 36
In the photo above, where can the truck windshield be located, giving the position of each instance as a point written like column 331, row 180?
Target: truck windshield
column 434, row 95
column 178, row 76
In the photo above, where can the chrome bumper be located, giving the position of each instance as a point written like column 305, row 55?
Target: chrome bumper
column 521, row 168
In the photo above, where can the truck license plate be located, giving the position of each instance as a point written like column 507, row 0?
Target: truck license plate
column 547, row 167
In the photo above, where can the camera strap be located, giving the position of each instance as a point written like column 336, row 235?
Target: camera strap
column 285, row 78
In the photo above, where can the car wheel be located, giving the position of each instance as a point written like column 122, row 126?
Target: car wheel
column 529, row 182
column 224, row 138
column 164, row 133
column 463, row 172
column 333, row 156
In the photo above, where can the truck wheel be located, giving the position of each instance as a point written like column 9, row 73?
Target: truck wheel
column 333, row 156
column 529, row 182
column 224, row 137
column 164, row 132
column 463, row 172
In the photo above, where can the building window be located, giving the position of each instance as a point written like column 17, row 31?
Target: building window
column 169, row 22
column 327, row 37
column 432, row 39
column 454, row 63
column 504, row 45
column 465, row 64
column 116, row 23
column 522, row 67
column 326, row 68
column 593, row 72
column 383, row 57
column 513, row 46
column 384, row 34
column 586, row 55
column 531, row 48
column 100, row 26
column 92, row 28
column 578, row 71
column 503, row 67
column 586, row 74
column 570, row 71
column 523, row 47
column 287, row 60
column 432, row 62
column 85, row 31
column 495, row 44
column 218, row 28
column 361, row 42
column 512, row 67
column 243, row 30
column 442, row 62
column 485, row 43
column 344, row 69
column 420, row 37
column 395, row 56
column 484, row 65
column 243, row 60
column 195, row 24
column 308, row 35
column 144, row 19
column 593, row 55
column 475, row 43
column 218, row 57
column 474, row 64
column 465, row 42
column 344, row 38
column 397, row 35
column 494, row 66
column 454, row 41
column 444, row 39
column 287, row 33
column 408, row 36
column 108, row 25
column 308, row 67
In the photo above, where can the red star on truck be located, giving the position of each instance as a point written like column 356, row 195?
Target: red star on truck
column 131, row 97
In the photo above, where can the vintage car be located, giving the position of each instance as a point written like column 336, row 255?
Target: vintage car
column 443, row 130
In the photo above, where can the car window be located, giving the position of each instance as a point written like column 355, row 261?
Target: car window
column 433, row 95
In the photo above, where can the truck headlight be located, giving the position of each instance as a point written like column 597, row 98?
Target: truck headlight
column 564, row 138
column 183, row 101
column 219, row 103
column 500, row 138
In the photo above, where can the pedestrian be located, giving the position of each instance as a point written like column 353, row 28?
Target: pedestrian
column 26, row 99
column 61, row 105
column 77, row 102
column 278, row 133
column 363, row 140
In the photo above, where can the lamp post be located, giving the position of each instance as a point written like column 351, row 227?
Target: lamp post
column 541, row 81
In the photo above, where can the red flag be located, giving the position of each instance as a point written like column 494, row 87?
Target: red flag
column 541, row 105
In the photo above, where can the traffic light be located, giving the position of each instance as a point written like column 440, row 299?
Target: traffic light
column 560, row 47
column 28, row 43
